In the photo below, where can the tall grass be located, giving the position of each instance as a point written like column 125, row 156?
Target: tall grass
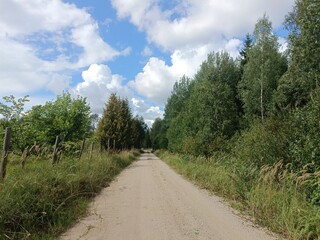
column 41, row 201
column 272, row 195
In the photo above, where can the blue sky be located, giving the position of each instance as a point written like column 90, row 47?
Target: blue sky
column 136, row 48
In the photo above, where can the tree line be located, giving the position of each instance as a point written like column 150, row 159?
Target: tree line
column 262, row 107
column 72, row 120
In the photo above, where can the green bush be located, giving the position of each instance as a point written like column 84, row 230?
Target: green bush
column 305, row 136
column 263, row 143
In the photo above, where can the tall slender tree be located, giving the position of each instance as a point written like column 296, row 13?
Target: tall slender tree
column 107, row 127
column 264, row 68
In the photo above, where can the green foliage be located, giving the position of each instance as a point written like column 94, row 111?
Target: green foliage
column 40, row 202
column 138, row 132
column 158, row 134
column 305, row 135
column 304, row 71
column 254, row 123
column 13, row 116
column 244, row 57
column 264, row 143
column 210, row 99
column 261, row 73
column 179, row 95
column 117, row 129
column 69, row 118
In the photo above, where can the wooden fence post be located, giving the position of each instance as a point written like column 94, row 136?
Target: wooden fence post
column 24, row 156
column 82, row 147
column 91, row 150
column 6, row 145
column 55, row 151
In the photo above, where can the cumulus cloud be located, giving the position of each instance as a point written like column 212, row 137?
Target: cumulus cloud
column 94, row 48
column 44, row 39
column 98, row 82
column 148, row 112
column 157, row 78
column 20, row 69
column 189, row 31
column 97, row 85
column 192, row 23
column 155, row 81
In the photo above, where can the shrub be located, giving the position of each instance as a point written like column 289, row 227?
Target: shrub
column 263, row 143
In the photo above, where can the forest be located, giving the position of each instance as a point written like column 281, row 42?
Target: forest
column 72, row 120
column 264, row 107
column 249, row 128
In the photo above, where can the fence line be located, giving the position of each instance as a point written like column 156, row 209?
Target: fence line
column 43, row 150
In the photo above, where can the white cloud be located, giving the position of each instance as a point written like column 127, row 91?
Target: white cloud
column 148, row 112
column 94, row 48
column 58, row 83
column 39, row 15
column 99, row 82
column 20, row 69
column 233, row 47
column 155, row 81
column 44, row 39
column 157, row 78
column 189, row 31
column 146, row 52
column 192, row 22
column 97, row 85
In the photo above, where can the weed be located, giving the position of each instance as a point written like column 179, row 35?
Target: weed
column 274, row 196
column 41, row 201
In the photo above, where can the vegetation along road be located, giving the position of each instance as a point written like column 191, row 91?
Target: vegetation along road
column 150, row 201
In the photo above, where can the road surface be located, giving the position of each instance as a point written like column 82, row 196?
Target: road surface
column 149, row 201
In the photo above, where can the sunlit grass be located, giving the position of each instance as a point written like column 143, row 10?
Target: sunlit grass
column 41, row 200
column 271, row 195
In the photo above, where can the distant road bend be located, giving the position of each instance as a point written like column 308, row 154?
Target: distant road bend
column 149, row 201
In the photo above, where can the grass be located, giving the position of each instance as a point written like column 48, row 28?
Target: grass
column 271, row 195
column 41, row 201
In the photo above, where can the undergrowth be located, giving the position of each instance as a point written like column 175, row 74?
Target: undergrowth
column 41, row 201
column 272, row 195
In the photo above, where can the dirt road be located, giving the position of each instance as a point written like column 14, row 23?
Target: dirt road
column 149, row 201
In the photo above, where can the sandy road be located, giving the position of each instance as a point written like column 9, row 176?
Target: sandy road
column 149, row 201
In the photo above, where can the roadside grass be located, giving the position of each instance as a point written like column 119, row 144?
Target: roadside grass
column 42, row 201
column 274, row 197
